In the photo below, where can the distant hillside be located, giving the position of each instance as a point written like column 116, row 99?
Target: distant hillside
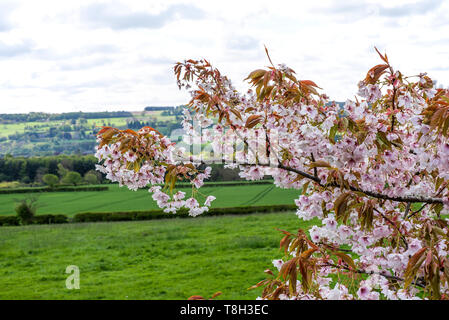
column 44, row 134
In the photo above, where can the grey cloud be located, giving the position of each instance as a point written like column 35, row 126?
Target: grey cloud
column 66, row 84
column 83, row 52
column 5, row 10
column 359, row 10
column 101, row 15
column 83, row 86
column 242, row 43
column 9, row 51
column 420, row 7
column 156, row 60
column 99, row 48
column 423, row 41
column 87, row 64
column 166, row 78
column 442, row 68
column 4, row 25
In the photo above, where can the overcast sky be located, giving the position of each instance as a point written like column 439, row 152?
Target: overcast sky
column 61, row 56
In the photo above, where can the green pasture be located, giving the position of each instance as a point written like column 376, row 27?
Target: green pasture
column 122, row 199
column 11, row 128
column 159, row 259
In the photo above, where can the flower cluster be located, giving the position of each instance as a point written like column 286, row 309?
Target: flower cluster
column 139, row 159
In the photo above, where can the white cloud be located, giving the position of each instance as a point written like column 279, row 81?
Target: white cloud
column 112, row 55
column 118, row 16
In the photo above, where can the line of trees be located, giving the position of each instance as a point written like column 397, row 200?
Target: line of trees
column 31, row 171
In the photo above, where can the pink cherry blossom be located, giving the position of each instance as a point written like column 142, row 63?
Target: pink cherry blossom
column 373, row 172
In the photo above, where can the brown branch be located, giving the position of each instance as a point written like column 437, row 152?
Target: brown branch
column 423, row 206
column 395, row 226
column 382, row 273
column 393, row 118
column 334, row 248
column 372, row 194
column 366, row 192
column 417, row 211
column 407, row 210
column 315, row 170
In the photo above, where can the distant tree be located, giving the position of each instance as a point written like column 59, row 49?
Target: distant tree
column 26, row 209
column 25, row 180
column 50, row 179
column 40, row 172
column 62, row 171
column 91, row 178
column 72, row 177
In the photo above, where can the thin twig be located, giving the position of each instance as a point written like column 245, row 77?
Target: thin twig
column 395, row 226
column 407, row 209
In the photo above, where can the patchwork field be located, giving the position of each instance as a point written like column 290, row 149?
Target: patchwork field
column 163, row 259
column 122, row 199
column 11, row 128
column 44, row 135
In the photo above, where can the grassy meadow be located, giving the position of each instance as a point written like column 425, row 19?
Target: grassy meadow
column 159, row 259
column 122, row 199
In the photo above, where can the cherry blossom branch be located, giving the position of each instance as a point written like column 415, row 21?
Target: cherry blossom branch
column 315, row 170
column 424, row 205
column 335, row 248
column 381, row 273
column 395, row 226
column 417, row 211
column 393, row 118
column 407, row 210
column 406, row 199
column 368, row 193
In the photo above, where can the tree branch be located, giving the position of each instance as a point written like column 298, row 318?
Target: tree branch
column 383, row 274
column 406, row 199
column 395, row 226
column 315, row 170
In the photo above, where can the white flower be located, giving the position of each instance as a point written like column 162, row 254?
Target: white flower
column 179, row 195
column 191, row 203
column 278, row 264
column 209, row 199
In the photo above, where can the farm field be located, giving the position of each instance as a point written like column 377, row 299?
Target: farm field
column 163, row 259
column 122, row 199
column 11, row 128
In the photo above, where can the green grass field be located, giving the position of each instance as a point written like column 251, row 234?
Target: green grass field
column 163, row 259
column 11, row 128
column 122, row 199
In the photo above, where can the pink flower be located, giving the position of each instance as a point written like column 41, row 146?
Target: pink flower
column 330, row 222
column 364, row 292
column 445, row 149
column 209, row 199
column 179, row 195
column 130, row 156
column 381, row 232
column 195, row 211
column 404, row 100
column 191, row 203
